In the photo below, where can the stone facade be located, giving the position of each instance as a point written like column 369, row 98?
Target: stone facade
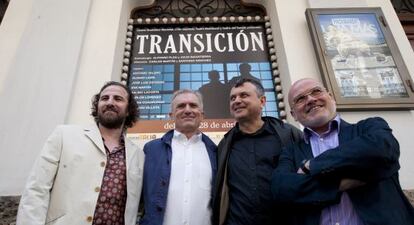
column 9, row 205
column 8, row 209
column 410, row 195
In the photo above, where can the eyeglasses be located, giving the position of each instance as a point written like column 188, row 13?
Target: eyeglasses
column 314, row 92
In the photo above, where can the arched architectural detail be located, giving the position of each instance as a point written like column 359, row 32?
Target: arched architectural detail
column 177, row 13
column 198, row 8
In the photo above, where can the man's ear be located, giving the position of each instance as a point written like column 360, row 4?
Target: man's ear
column 332, row 97
column 202, row 115
column 263, row 101
column 293, row 114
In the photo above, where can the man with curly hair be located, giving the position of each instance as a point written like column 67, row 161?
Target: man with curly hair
column 88, row 175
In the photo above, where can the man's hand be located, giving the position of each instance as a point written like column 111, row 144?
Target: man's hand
column 300, row 171
column 347, row 184
column 305, row 168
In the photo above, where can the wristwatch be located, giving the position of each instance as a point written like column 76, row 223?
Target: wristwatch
column 303, row 167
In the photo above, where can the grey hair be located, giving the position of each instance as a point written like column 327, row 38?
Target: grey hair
column 187, row 91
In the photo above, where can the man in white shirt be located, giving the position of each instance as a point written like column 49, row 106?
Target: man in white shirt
column 180, row 168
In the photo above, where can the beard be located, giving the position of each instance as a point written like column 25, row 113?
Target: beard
column 113, row 120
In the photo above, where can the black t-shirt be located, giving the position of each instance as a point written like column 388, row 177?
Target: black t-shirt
column 253, row 158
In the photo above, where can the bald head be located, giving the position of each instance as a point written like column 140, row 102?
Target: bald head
column 300, row 86
column 311, row 105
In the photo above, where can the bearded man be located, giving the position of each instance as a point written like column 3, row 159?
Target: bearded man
column 88, row 175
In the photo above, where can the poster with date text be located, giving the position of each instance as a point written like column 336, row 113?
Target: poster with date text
column 208, row 58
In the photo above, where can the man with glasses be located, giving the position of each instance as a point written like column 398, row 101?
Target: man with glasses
column 341, row 173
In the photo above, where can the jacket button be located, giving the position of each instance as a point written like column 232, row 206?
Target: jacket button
column 102, row 164
column 97, row 189
column 159, row 209
column 89, row 219
column 163, row 183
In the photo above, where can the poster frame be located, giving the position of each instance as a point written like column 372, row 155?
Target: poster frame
column 139, row 133
column 379, row 97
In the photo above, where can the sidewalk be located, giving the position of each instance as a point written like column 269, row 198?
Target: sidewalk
column 9, row 204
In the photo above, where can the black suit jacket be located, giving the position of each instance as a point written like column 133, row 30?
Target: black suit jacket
column 368, row 152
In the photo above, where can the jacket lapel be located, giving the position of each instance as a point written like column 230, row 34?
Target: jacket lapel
column 129, row 151
column 92, row 132
column 345, row 131
column 306, row 150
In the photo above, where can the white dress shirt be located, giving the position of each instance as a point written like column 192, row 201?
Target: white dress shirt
column 189, row 190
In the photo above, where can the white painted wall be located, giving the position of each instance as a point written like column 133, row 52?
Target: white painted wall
column 98, row 63
column 56, row 54
column 102, row 53
column 42, row 57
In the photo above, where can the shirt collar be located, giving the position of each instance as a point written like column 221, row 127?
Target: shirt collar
column 181, row 137
column 333, row 126
column 265, row 129
column 120, row 147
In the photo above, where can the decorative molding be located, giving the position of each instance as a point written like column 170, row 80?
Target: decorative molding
column 185, row 12
column 127, row 52
column 198, row 20
column 198, row 8
column 210, row 20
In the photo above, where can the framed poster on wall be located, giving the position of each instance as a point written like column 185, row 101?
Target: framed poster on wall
column 359, row 60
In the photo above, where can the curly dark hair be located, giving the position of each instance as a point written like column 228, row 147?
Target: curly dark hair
column 133, row 110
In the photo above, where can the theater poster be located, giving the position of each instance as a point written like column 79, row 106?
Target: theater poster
column 359, row 60
column 208, row 58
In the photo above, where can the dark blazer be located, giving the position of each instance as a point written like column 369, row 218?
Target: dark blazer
column 157, row 172
column 368, row 152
